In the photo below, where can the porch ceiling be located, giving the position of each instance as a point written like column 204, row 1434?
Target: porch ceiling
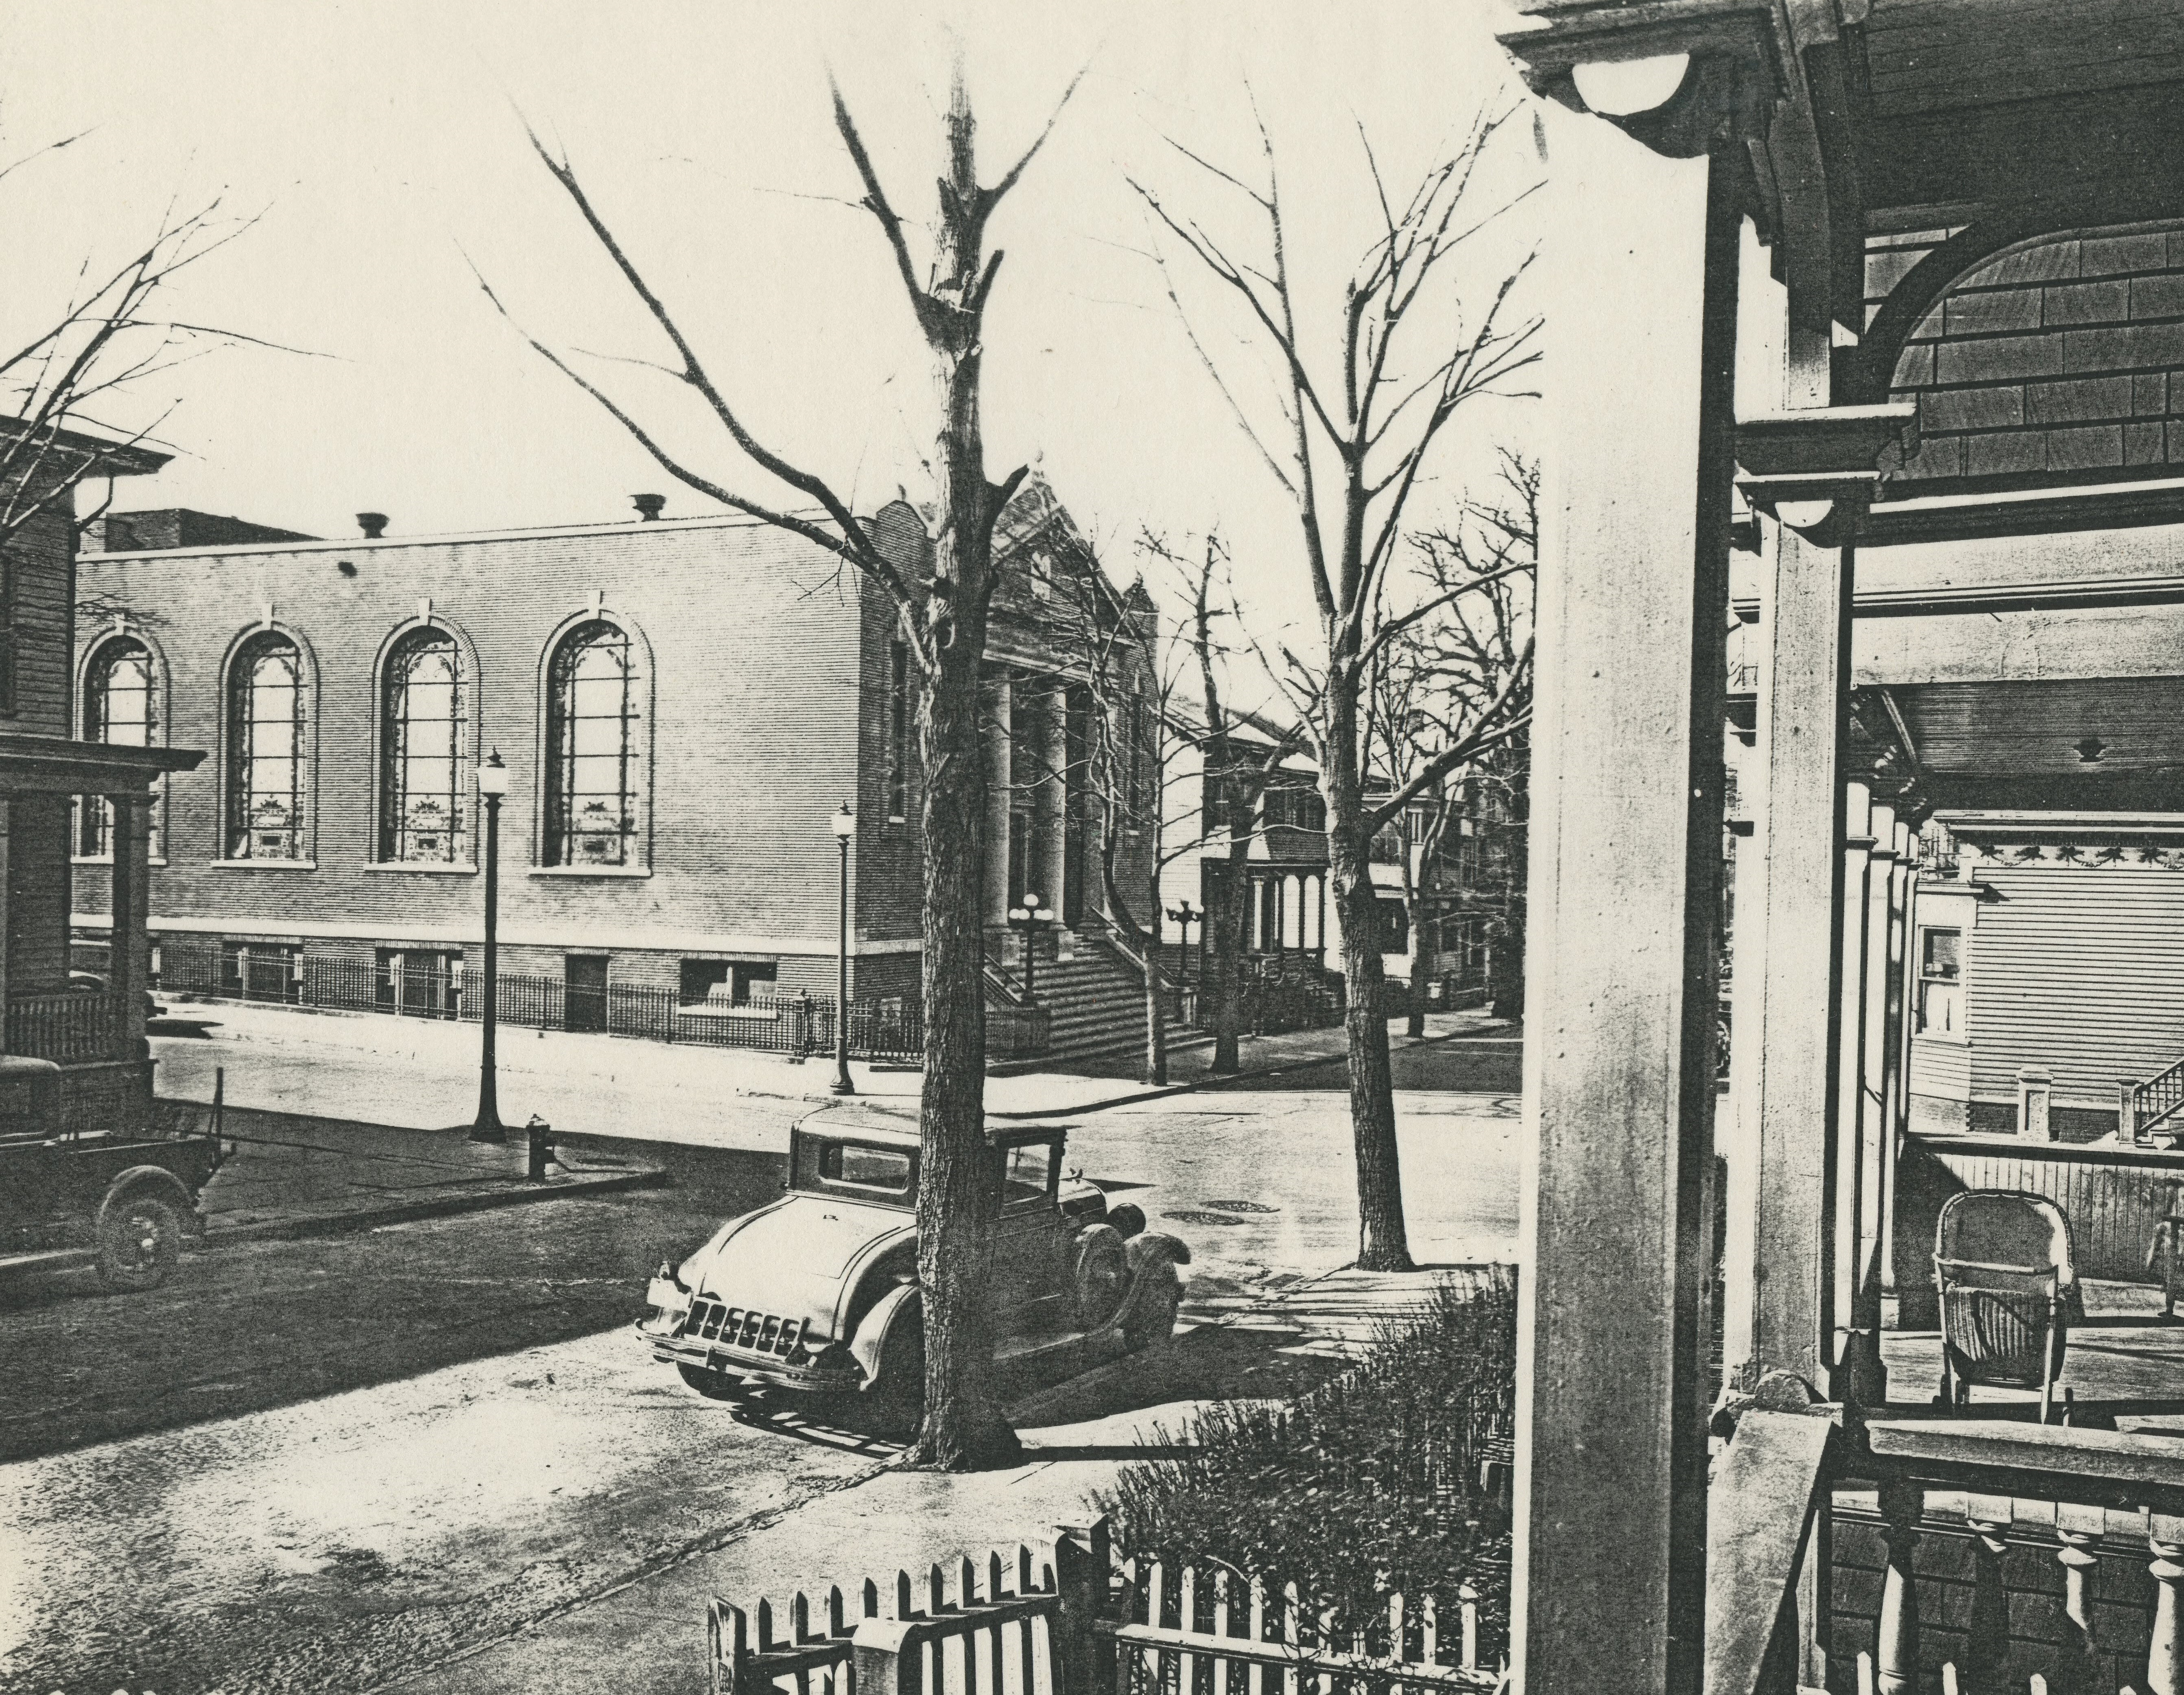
column 1924, row 55
column 2020, row 743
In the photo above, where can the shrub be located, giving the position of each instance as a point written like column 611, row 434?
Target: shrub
column 1366, row 1484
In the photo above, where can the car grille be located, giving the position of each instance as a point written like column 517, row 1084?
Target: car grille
column 754, row 1332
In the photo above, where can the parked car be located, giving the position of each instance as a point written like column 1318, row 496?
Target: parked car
column 818, row 1292
column 91, row 983
column 119, row 1197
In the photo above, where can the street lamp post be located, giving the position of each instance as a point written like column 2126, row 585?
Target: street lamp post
column 845, row 828
column 493, row 784
column 1184, row 914
column 1030, row 918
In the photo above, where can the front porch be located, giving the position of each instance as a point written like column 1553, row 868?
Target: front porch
column 1883, row 298
column 89, row 1023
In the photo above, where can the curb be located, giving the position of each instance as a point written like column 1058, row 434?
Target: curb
column 1232, row 1078
column 337, row 1224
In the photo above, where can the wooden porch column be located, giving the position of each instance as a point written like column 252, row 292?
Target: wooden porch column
column 129, row 962
column 1896, row 1084
column 1876, row 1122
column 1625, row 844
column 1811, row 471
column 1854, row 1368
column 1790, row 1282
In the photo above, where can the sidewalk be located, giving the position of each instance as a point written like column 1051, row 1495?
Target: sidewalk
column 292, row 1176
column 334, row 1065
column 648, row 1637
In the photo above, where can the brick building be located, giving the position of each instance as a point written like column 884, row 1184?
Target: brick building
column 683, row 703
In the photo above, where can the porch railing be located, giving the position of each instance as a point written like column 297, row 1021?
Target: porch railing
column 2004, row 1556
column 2156, row 1099
column 73, row 1027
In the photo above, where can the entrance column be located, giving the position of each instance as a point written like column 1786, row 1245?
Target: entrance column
column 129, row 951
column 1810, row 473
column 1625, row 843
column 1876, row 1125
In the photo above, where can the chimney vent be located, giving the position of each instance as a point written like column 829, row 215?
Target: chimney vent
column 648, row 506
column 373, row 524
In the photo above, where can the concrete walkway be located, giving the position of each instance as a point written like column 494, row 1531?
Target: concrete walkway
column 648, row 1637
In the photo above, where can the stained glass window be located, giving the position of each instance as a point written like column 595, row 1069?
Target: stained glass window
column 120, row 707
column 425, row 772
column 594, row 751
column 267, row 714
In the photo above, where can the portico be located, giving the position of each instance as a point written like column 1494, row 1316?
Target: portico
column 1894, row 290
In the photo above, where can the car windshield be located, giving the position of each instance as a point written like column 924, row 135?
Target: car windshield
column 882, row 1171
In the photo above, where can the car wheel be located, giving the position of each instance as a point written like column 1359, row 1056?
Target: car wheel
column 1100, row 1281
column 140, row 1238
column 714, row 1385
column 1150, row 1317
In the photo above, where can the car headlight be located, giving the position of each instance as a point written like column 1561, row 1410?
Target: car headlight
column 666, row 1292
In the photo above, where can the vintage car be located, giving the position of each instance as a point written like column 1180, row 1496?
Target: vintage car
column 818, row 1291
column 118, row 1196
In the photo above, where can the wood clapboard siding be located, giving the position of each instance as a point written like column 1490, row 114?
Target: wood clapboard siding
column 2112, row 1198
column 2079, row 972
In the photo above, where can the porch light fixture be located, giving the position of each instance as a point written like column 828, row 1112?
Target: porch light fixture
column 1624, row 87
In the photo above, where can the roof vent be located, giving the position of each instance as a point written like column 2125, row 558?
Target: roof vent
column 648, row 506
column 373, row 524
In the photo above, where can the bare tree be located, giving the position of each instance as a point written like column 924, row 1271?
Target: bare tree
column 1350, row 455
column 110, row 335
column 941, row 604
column 1239, row 757
column 1429, row 688
column 1480, row 651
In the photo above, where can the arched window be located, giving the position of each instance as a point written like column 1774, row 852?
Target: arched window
column 425, row 776
column 268, row 708
column 120, row 707
column 595, row 748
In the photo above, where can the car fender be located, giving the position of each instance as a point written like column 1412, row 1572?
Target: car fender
column 1150, row 1248
column 871, row 1332
column 158, row 1179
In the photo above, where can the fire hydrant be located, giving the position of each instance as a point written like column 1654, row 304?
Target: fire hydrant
column 538, row 1136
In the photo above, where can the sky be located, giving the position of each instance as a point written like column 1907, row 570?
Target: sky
column 377, row 154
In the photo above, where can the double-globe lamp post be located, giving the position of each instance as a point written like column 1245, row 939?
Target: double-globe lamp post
column 845, row 831
column 493, row 784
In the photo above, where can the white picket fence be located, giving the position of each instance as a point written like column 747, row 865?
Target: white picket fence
column 1953, row 1684
column 1068, row 1620
column 1192, row 1630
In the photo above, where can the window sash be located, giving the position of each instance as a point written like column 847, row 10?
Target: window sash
column 423, row 819
column 266, row 753
column 593, row 754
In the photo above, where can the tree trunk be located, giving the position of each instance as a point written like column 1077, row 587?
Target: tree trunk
column 1414, row 1022
column 959, row 1193
column 1383, row 1243
column 1224, row 951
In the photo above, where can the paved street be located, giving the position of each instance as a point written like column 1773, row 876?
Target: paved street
column 320, row 1465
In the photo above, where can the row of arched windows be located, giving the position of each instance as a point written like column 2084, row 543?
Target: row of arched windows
column 594, row 746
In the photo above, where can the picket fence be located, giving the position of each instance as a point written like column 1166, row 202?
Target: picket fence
column 1074, row 1620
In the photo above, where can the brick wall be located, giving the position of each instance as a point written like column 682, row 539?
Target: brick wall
column 2059, row 362
column 750, row 703
column 2120, row 1589
column 768, row 670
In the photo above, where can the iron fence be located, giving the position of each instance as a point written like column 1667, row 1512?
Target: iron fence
column 888, row 1028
